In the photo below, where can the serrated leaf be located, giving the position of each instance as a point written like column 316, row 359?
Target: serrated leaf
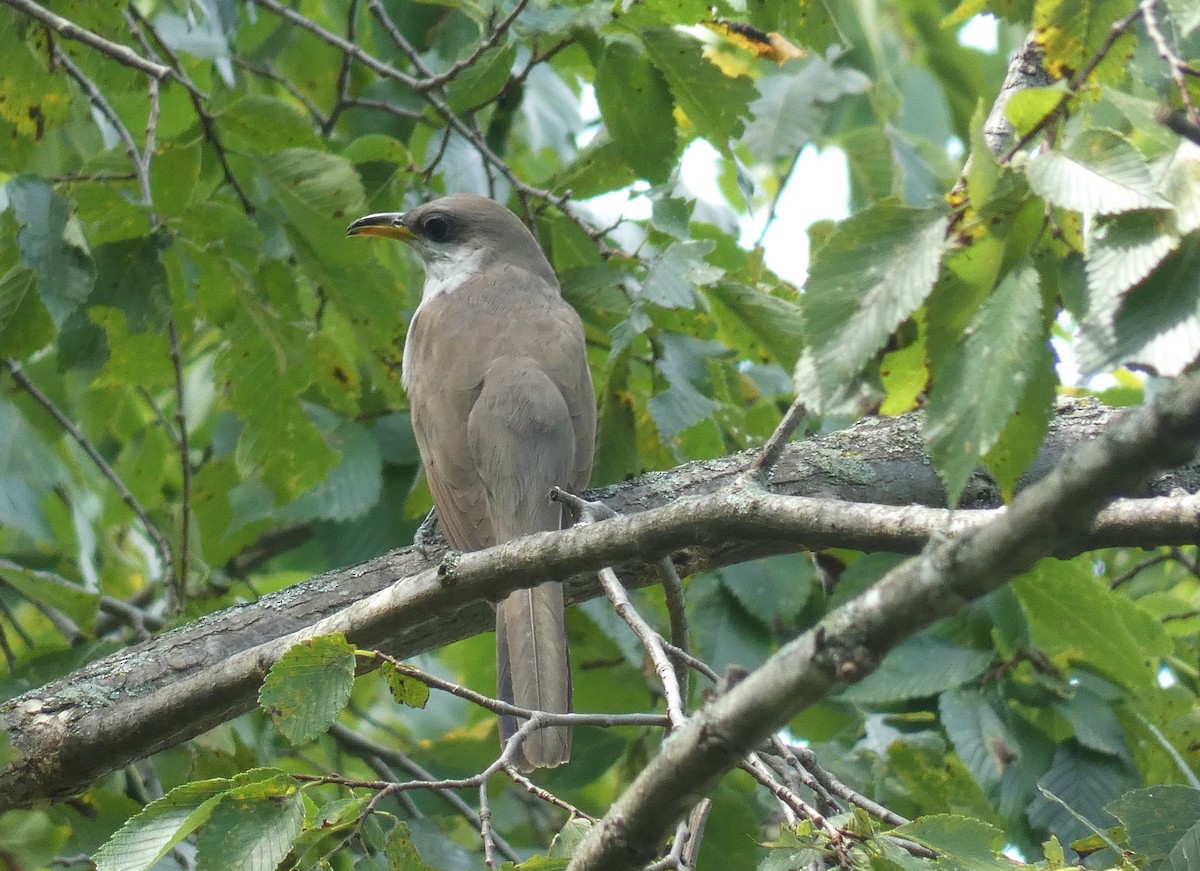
column 479, row 83
column 1158, row 321
column 872, row 274
column 327, row 183
column 252, row 827
column 51, row 246
column 636, row 106
column 923, row 665
column 130, row 276
column 1084, row 781
column 714, row 103
column 1074, row 616
column 793, row 105
column 147, row 837
column 308, row 687
column 677, row 273
column 1021, row 439
column 957, row 837
column 1120, row 252
column 754, row 321
column 402, row 853
column 1097, row 173
column 257, row 119
column 772, row 589
column 982, row 379
column 28, row 473
column 405, row 689
column 1156, row 818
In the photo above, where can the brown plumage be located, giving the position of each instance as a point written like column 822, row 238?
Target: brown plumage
column 503, row 410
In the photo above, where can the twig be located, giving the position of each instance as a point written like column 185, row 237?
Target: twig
column 651, row 640
column 394, row 756
column 1174, row 62
column 808, row 762
column 160, row 541
column 783, row 183
column 384, row 106
column 1076, row 81
column 1180, row 762
column 496, row 706
column 773, row 449
column 266, row 72
column 137, row 20
column 1177, row 122
column 544, row 794
column 678, row 620
column 122, row 54
column 343, row 79
column 185, row 466
column 97, row 98
column 498, row 31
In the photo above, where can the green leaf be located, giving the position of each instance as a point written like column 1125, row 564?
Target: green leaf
column 980, row 383
column 725, row 635
column 308, row 687
column 794, row 103
column 677, row 273
column 28, row 473
column 327, row 183
column 1072, row 32
column 51, row 245
column 252, row 827
column 1085, row 781
column 773, row 589
column 958, row 838
column 162, row 824
column 402, row 853
column 1097, row 173
column 1074, row 616
column 684, row 363
column 1027, row 107
column 1003, row 752
column 25, row 325
column 174, row 173
column 714, row 102
column 759, row 325
column 352, row 487
column 130, row 276
column 262, row 123
column 51, row 590
column 872, row 274
column 636, row 106
column 405, row 689
column 1185, row 855
column 1021, row 439
column 1157, row 818
column 923, row 665
column 479, row 83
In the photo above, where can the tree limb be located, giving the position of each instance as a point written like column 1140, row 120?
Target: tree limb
column 159, row 693
column 850, row 643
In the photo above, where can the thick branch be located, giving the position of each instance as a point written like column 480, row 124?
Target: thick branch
column 159, row 693
column 849, row 643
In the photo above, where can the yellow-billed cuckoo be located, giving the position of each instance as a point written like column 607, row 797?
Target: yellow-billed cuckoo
column 503, row 410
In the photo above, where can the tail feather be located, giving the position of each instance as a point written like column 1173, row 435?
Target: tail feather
column 534, row 671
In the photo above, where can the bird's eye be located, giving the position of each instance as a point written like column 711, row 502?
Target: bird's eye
column 437, row 228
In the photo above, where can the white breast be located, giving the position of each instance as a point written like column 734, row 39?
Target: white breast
column 445, row 271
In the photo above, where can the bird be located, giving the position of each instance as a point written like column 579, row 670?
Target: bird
column 503, row 410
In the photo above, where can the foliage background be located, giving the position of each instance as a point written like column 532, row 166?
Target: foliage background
column 174, row 280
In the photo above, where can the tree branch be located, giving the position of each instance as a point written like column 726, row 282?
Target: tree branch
column 157, row 694
column 122, row 54
column 849, row 643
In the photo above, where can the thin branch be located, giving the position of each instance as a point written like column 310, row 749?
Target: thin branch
column 677, row 618
column 266, row 72
column 97, row 99
column 208, row 125
column 185, row 466
column 343, row 79
column 122, row 54
column 1175, row 64
column 161, row 545
column 1076, row 82
column 494, row 36
column 773, row 449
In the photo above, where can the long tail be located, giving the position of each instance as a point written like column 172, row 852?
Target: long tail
column 534, row 670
